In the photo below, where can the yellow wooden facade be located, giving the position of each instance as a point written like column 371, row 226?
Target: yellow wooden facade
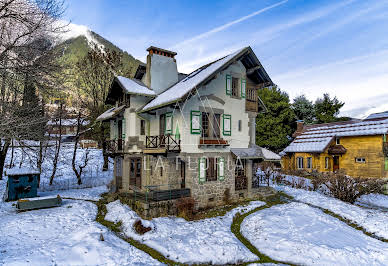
column 357, row 147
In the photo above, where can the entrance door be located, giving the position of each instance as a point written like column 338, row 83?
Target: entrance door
column 335, row 163
column 135, row 172
column 183, row 174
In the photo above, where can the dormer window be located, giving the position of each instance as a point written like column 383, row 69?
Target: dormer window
column 337, row 141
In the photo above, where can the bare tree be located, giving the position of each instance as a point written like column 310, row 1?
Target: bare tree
column 78, row 172
column 28, row 29
column 95, row 75
column 58, row 143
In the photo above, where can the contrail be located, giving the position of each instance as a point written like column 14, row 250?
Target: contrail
column 227, row 25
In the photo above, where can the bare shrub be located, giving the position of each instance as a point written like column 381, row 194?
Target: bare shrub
column 348, row 189
column 317, row 180
column 185, row 207
column 268, row 173
column 140, row 228
column 298, row 183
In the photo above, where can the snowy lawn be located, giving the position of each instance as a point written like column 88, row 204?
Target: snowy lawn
column 65, row 178
column 205, row 241
column 85, row 193
column 67, row 235
column 377, row 200
column 374, row 221
column 298, row 233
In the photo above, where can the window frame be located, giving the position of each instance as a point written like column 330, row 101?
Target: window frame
column 309, row 163
column 337, row 141
column 235, row 91
column 327, row 161
column 299, row 159
column 211, row 169
column 360, row 160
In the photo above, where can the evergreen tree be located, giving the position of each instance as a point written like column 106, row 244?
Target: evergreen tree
column 274, row 126
column 304, row 109
column 327, row 109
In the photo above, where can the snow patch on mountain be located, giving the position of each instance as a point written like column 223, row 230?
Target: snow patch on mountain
column 74, row 30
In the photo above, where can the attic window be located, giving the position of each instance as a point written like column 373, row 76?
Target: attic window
column 235, row 87
column 360, row 160
column 337, row 141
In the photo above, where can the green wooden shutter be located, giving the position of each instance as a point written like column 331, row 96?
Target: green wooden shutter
column 227, row 125
column 228, row 85
column 243, row 87
column 169, row 123
column 202, row 170
column 386, row 164
column 123, row 133
column 221, row 169
column 195, row 122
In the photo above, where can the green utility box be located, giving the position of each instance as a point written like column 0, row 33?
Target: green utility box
column 22, row 183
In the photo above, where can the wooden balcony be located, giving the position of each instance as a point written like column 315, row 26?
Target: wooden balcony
column 251, row 101
column 162, row 144
column 113, row 147
column 203, row 142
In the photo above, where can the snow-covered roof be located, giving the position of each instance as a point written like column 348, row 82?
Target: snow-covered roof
column 381, row 115
column 317, row 139
column 255, row 152
column 67, row 122
column 21, row 171
column 113, row 112
column 192, row 80
column 134, row 86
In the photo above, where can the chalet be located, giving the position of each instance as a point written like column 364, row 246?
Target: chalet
column 359, row 147
column 169, row 130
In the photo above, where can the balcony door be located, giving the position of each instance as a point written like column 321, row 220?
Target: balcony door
column 135, row 172
column 119, row 135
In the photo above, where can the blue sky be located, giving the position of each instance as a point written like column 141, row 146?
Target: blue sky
column 307, row 47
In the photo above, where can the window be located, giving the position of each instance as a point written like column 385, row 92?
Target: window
column 239, row 125
column 360, row 160
column 235, row 87
column 216, row 125
column 142, row 127
column 327, row 162
column 205, row 124
column 227, row 125
column 240, row 168
column 309, row 162
column 251, row 94
column 299, row 162
column 211, row 169
column 337, row 141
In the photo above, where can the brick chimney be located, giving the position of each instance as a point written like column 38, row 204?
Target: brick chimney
column 299, row 128
column 161, row 70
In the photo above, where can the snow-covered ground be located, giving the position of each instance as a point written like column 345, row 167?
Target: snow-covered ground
column 374, row 221
column 67, row 235
column 65, row 178
column 205, row 241
column 298, row 233
column 376, row 200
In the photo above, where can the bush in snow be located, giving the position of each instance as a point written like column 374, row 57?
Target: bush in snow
column 348, row 189
column 185, row 207
column 140, row 228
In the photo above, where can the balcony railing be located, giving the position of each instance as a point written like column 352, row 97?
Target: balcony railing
column 162, row 144
column 114, row 146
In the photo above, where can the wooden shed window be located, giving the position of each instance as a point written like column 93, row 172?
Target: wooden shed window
column 309, row 162
column 299, row 162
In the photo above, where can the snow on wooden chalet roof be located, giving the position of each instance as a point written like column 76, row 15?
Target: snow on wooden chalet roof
column 194, row 79
column 255, row 152
column 382, row 115
column 111, row 113
column 317, row 139
column 134, row 86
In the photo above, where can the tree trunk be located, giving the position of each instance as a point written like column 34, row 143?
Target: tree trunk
column 58, row 147
column 3, row 155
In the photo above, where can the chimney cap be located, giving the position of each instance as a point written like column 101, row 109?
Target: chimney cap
column 153, row 48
